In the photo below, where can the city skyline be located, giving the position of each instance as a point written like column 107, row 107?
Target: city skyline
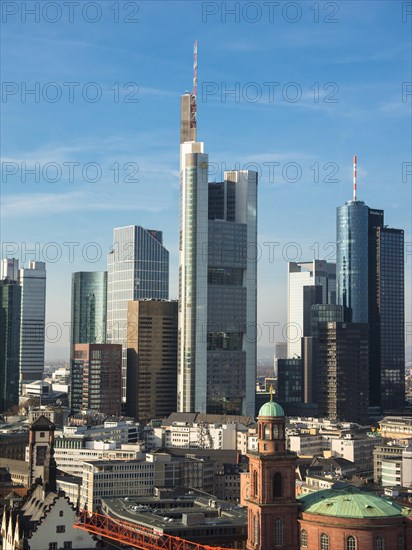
column 306, row 133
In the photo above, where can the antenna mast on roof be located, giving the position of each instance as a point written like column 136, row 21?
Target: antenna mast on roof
column 354, row 177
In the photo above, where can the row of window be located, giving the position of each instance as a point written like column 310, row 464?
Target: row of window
column 351, row 542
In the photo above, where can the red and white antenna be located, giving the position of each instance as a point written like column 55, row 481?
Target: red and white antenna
column 354, row 177
column 193, row 108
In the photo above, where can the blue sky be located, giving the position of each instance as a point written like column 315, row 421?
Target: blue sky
column 310, row 93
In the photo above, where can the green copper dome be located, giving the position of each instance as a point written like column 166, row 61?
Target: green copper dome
column 349, row 502
column 271, row 409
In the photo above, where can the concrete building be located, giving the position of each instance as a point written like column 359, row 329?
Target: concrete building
column 151, row 359
column 96, row 378
column 396, row 427
column 138, row 268
column 383, row 452
column 33, row 319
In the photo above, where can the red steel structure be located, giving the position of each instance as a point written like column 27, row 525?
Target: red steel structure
column 141, row 537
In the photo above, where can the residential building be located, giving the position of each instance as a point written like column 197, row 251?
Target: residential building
column 151, row 359
column 96, row 378
column 138, row 268
column 33, row 319
column 10, row 303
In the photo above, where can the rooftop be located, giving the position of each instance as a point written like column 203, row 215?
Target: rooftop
column 349, row 502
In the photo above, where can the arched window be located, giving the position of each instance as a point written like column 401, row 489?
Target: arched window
column 275, row 431
column 351, row 543
column 303, row 539
column 379, row 544
column 267, row 431
column 255, row 483
column 324, row 542
column 277, row 485
column 278, row 532
column 401, row 543
column 256, row 530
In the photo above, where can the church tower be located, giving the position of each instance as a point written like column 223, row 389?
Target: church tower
column 272, row 505
column 41, row 444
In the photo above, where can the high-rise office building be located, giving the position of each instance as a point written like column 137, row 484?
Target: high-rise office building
column 281, row 352
column 33, row 319
column 390, row 376
column 96, row 378
column 88, row 307
column 370, row 283
column 217, row 280
column 10, row 304
column 343, row 360
column 138, row 268
column 151, row 359
column 9, row 269
column 290, row 381
column 308, row 283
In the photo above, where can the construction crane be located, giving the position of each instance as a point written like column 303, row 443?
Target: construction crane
column 134, row 535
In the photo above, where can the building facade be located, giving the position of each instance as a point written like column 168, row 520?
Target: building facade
column 217, row 288
column 33, row 319
column 88, row 307
column 343, row 360
column 151, row 359
column 138, row 268
column 96, row 378
column 10, row 303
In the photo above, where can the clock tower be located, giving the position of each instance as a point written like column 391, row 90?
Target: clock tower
column 272, row 505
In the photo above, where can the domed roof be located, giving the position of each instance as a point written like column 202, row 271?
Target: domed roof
column 271, row 409
column 349, row 502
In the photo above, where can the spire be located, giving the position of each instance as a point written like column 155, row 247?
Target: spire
column 354, row 177
column 193, row 98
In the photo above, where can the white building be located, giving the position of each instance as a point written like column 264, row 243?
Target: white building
column 33, row 319
column 44, row 521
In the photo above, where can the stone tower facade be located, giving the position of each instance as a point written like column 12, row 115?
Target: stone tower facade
column 272, row 505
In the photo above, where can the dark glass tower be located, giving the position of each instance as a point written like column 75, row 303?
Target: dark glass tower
column 10, row 302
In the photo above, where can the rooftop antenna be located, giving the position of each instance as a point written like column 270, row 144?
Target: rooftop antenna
column 354, row 177
column 193, row 105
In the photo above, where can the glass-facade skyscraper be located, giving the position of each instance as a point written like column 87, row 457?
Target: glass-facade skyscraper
column 352, row 259
column 10, row 304
column 217, row 288
column 370, row 283
column 138, row 268
column 88, row 307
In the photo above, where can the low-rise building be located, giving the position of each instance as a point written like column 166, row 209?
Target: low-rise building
column 396, row 427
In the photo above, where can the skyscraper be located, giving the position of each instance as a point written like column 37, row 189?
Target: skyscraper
column 138, row 268
column 33, row 319
column 309, row 283
column 151, row 359
column 217, row 282
column 370, row 283
column 343, row 371
column 88, row 307
column 10, row 304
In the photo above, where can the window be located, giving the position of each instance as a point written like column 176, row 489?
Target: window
column 67, row 545
column 324, row 542
column 42, row 434
column 61, row 513
column 52, row 545
column 277, row 485
column 278, row 532
column 303, row 539
column 255, row 483
column 60, row 529
column 401, row 543
column 255, row 530
column 380, row 544
column 351, row 543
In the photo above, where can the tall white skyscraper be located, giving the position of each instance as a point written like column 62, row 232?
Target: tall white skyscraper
column 138, row 268
column 308, row 283
column 33, row 319
column 217, row 284
column 9, row 269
